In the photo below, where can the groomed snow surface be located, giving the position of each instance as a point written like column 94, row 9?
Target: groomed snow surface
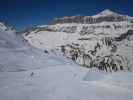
column 65, row 82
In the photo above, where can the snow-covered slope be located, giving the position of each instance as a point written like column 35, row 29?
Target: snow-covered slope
column 17, row 55
column 100, row 43
column 63, row 82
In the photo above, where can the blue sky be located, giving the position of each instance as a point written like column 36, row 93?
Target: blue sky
column 26, row 13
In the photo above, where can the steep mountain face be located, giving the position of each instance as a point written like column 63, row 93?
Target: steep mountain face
column 104, row 41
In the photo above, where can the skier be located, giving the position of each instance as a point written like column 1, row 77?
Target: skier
column 32, row 74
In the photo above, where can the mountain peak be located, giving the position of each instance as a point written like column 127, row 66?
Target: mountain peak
column 106, row 12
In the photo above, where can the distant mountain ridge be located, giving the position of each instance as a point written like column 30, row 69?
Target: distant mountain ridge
column 106, row 15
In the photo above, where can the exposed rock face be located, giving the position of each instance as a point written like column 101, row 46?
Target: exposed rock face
column 111, row 61
column 88, row 20
column 125, row 36
column 105, row 15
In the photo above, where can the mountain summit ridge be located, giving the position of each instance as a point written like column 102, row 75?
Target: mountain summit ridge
column 106, row 15
column 106, row 12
